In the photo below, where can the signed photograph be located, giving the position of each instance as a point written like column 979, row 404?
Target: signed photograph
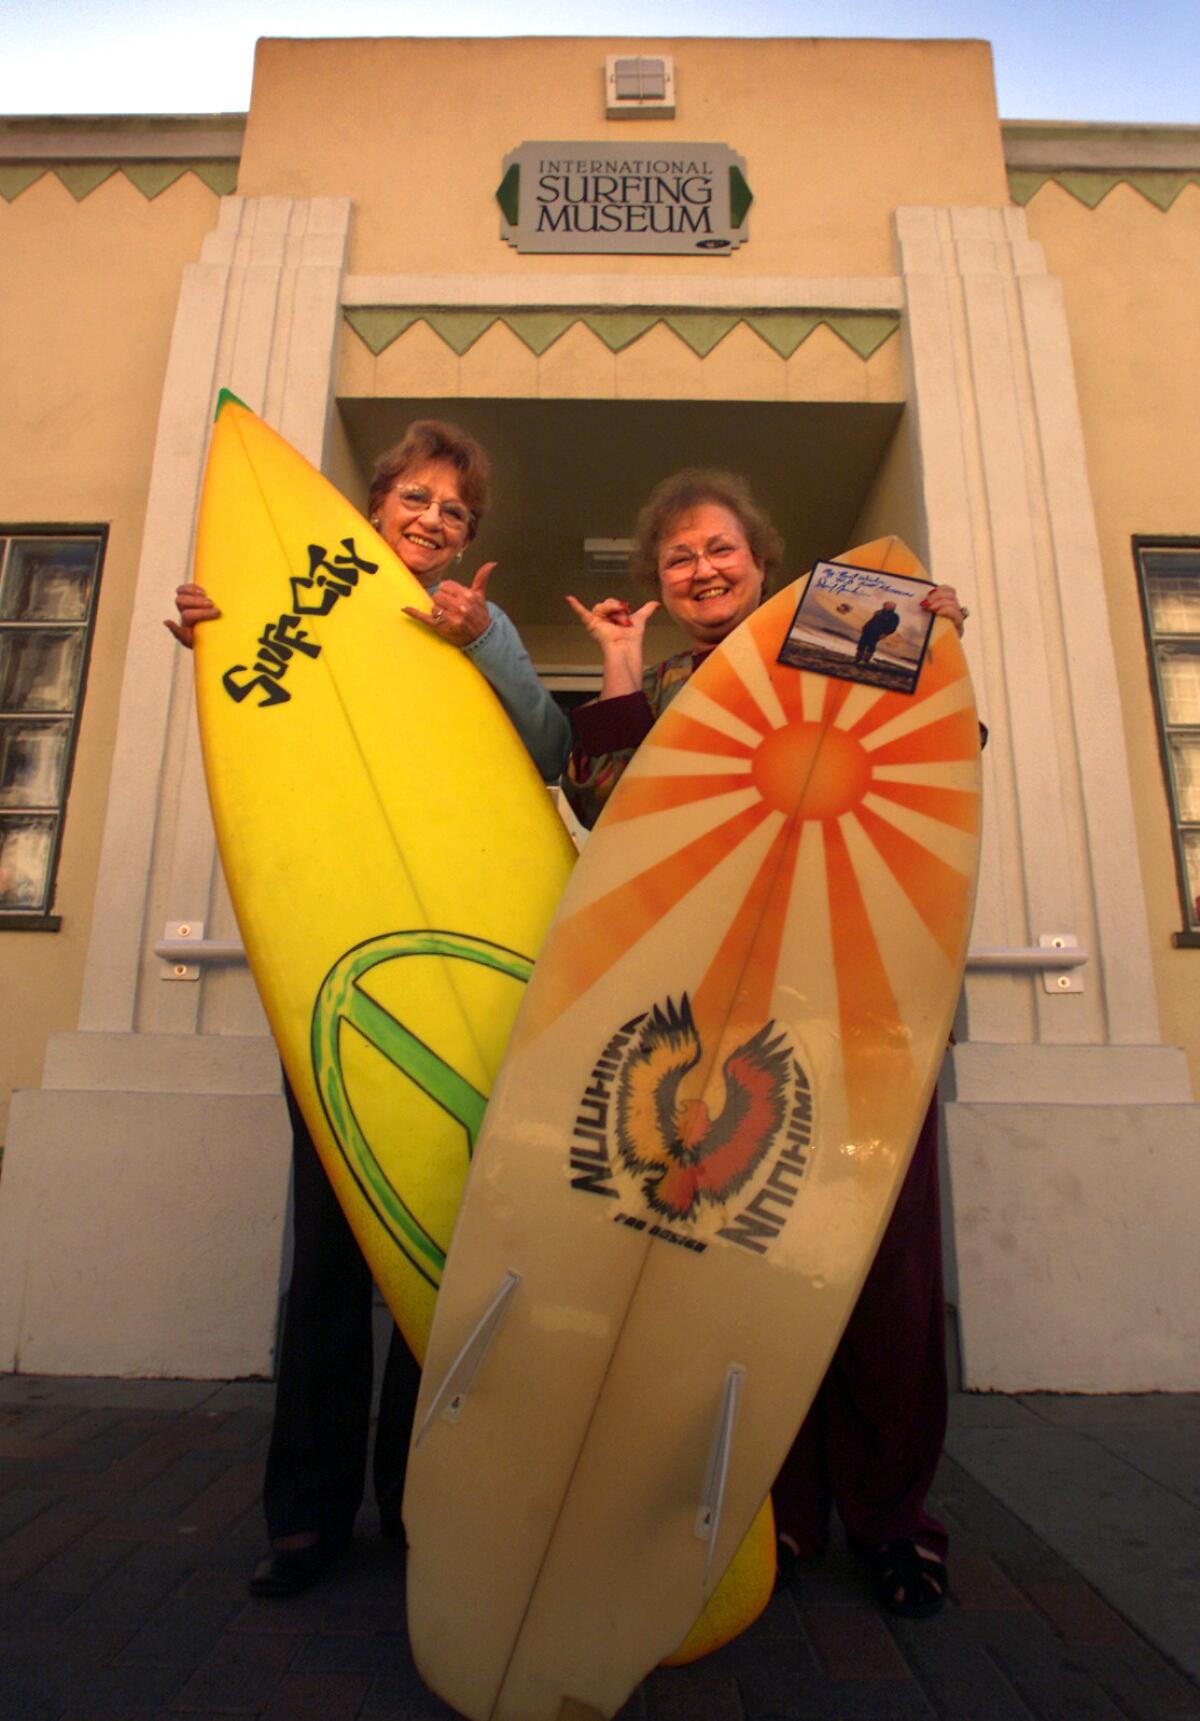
column 860, row 625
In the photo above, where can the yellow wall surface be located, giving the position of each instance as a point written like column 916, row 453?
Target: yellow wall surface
column 91, row 287
column 835, row 135
column 1129, row 273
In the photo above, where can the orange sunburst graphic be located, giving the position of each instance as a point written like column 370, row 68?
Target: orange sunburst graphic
column 885, row 781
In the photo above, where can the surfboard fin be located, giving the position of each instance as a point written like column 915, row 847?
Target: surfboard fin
column 451, row 1395
column 708, row 1518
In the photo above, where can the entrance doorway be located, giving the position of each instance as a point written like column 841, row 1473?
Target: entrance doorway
column 568, row 470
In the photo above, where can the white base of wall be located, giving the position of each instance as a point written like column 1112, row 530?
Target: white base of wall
column 987, row 1073
column 144, row 1196
column 141, row 1233
column 1074, row 1232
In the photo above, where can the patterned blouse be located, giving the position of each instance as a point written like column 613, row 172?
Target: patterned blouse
column 609, row 732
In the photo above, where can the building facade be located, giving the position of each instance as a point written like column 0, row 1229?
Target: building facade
column 827, row 264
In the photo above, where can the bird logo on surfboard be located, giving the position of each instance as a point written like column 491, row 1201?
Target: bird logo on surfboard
column 683, row 1155
column 692, row 1155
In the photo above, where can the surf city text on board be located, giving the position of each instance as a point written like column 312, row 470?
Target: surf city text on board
column 313, row 594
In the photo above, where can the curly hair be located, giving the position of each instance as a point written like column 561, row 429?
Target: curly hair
column 433, row 439
column 692, row 488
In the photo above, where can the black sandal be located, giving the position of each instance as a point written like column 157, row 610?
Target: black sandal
column 786, row 1561
column 907, row 1582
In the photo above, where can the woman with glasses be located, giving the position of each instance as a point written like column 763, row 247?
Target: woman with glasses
column 872, row 1440
column 428, row 494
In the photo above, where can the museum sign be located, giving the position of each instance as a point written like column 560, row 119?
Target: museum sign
column 690, row 198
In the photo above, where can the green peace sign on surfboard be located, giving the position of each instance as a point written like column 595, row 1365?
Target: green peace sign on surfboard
column 342, row 999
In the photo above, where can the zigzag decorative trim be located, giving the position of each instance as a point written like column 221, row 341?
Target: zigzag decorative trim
column 1091, row 185
column 81, row 178
column 377, row 326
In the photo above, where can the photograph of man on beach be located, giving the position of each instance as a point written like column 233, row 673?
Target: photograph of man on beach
column 860, row 625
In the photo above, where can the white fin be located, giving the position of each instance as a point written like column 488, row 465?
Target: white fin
column 451, row 1396
column 708, row 1518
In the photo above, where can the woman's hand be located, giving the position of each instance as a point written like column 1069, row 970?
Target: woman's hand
column 943, row 600
column 619, row 632
column 612, row 622
column 460, row 613
column 194, row 606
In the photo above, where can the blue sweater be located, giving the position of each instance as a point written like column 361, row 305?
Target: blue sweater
column 501, row 658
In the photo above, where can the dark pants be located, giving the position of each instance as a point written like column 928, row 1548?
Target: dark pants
column 317, row 1460
column 872, row 1440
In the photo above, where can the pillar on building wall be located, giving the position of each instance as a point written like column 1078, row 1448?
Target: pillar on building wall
column 146, row 1182
column 1073, row 1143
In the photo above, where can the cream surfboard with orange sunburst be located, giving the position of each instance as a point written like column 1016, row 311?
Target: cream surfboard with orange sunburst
column 691, row 1152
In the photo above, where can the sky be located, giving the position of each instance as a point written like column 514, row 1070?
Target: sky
column 1111, row 60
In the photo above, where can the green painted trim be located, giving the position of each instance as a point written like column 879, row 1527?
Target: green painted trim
column 702, row 330
column 1162, row 189
column 151, row 178
column 377, row 326
column 619, row 329
column 14, row 180
column 1090, row 186
column 1022, row 186
column 219, row 176
column 784, row 331
column 224, row 397
column 863, row 334
column 508, row 194
column 82, row 177
column 460, row 329
column 540, row 329
column 740, row 197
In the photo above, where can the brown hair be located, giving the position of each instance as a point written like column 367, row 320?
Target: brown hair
column 690, row 489
column 433, row 439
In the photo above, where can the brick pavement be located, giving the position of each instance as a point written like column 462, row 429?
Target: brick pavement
column 127, row 1529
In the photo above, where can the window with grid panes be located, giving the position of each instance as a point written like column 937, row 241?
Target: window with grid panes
column 48, row 585
column 1170, row 583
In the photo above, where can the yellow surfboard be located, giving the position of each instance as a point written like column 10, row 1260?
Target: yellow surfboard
column 392, row 854
column 393, row 858
column 690, row 1155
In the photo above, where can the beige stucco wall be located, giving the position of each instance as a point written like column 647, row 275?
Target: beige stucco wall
column 1129, row 272
column 89, row 291
column 836, row 134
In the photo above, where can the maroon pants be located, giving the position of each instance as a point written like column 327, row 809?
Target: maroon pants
column 872, row 1440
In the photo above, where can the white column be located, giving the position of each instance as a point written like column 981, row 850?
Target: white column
column 257, row 314
column 143, row 1178
column 1068, row 1122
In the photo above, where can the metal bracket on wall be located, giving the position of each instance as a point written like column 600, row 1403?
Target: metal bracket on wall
column 1060, row 979
column 176, row 933
column 185, row 949
column 1056, row 957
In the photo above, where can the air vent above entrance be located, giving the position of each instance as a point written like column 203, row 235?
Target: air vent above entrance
column 639, row 86
column 607, row 555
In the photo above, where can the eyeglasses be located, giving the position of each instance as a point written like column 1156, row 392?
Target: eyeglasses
column 680, row 563
column 419, row 498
